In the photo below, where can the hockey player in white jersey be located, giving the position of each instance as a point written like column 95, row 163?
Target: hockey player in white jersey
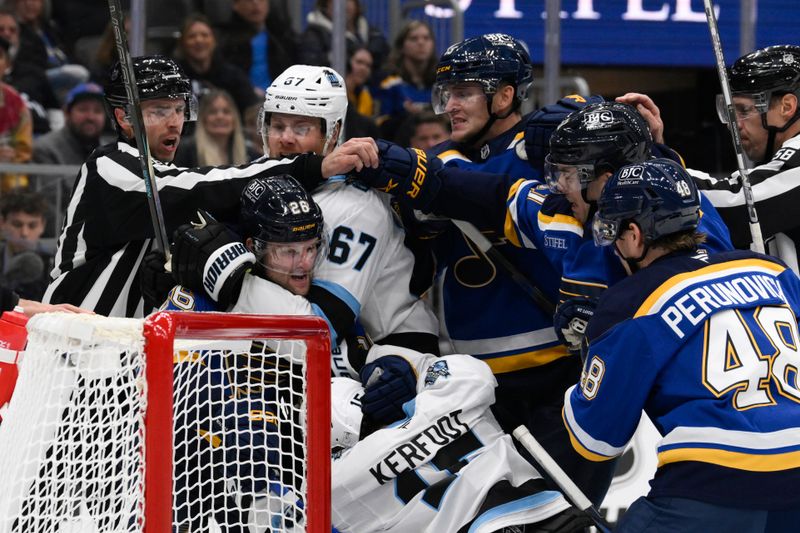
column 367, row 272
column 445, row 467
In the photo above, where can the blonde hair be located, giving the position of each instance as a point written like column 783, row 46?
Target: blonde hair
column 209, row 152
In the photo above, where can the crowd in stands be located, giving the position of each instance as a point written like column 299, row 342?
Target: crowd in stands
column 55, row 57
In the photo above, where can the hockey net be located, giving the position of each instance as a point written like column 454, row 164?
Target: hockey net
column 182, row 422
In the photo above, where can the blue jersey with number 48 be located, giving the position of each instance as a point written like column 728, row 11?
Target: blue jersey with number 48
column 707, row 346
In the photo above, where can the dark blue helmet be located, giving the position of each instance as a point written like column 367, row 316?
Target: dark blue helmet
column 278, row 209
column 658, row 195
column 488, row 60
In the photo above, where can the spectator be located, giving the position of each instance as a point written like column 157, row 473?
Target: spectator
column 358, row 74
column 261, row 45
column 358, row 120
column 41, row 45
column 28, row 79
column 16, row 134
column 85, row 121
column 424, row 130
column 24, row 264
column 197, row 54
column 412, row 71
column 218, row 139
column 82, row 23
column 316, row 42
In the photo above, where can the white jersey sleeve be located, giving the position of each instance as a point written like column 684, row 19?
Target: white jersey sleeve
column 368, row 264
column 435, row 470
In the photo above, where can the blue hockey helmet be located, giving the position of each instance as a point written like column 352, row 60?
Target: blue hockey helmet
column 657, row 195
column 488, row 60
column 601, row 137
column 278, row 209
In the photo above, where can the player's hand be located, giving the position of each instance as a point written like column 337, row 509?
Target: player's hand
column 30, row 308
column 154, row 281
column 389, row 382
column 571, row 319
column 649, row 110
column 354, row 155
column 543, row 123
column 407, row 173
column 211, row 258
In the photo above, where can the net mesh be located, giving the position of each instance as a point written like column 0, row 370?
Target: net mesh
column 72, row 439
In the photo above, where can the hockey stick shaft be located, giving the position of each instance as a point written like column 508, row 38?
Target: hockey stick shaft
column 744, row 177
column 485, row 246
column 567, row 486
column 139, row 131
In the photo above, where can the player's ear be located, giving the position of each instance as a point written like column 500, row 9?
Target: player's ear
column 789, row 105
column 248, row 243
column 121, row 117
column 503, row 98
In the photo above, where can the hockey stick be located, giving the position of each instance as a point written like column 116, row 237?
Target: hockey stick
column 139, row 132
column 493, row 254
column 755, row 227
column 567, row 486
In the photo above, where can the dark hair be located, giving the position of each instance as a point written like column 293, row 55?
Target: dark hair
column 28, row 202
column 351, row 51
column 194, row 18
column 408, row 127
column 682, row 240
column 396, row 57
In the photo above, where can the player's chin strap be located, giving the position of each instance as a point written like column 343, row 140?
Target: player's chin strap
column 474, row 139
column 772, row 131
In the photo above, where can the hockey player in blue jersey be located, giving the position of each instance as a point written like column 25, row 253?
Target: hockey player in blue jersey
column 707, row 346
column 481, row 83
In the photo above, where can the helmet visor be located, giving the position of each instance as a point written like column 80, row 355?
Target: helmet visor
column 566, row 179
column 604, row 230
column 745, row 105
column 291, row 258
column 460, row 93
column 166, row 108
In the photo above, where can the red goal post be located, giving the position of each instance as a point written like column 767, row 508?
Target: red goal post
column 162, row 424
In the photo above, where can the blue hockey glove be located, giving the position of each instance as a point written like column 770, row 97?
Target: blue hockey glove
column 571, row 319
column 389, row 382
column 543, row 123
column 406, row 173
column 209, row 257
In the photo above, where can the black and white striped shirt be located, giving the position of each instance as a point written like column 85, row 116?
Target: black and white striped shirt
column 107, row 229
column 776, row 190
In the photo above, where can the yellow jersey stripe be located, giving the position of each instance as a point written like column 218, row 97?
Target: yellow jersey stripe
column 738, row 460
column 656, row 295
column 447, row 155
column 580, row 448
column 511, row 363
column 510, row 226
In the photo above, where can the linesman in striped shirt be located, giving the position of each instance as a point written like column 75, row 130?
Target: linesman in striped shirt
column 107, row 230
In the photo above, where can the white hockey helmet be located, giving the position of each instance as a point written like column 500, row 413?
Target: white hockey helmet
column 346, row 415
column 307, row 91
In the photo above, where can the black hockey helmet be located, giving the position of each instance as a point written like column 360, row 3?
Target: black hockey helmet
column 156, row 77
column 658, row 195
column 488, row 60
column 601, row 137
column 774, row 68
column 278, row 209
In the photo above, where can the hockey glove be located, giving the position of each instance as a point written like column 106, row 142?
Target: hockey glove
column 389, row 382
column 210, row 257
column 571, row 319
column 154, row 281
column 406, row 173
column 543, row 123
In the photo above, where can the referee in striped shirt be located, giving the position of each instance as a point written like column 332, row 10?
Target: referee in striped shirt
column 107, row 229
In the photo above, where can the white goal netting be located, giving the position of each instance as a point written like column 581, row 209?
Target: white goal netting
column 77, row 439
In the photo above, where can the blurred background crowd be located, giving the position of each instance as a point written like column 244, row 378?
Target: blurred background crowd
column 55, row 55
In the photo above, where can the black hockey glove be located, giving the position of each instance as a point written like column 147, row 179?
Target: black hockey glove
column 406, row 173
column 154, row 281
column 211, row 258
column 389, row 382
column 543, row 123
column 571, row 319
